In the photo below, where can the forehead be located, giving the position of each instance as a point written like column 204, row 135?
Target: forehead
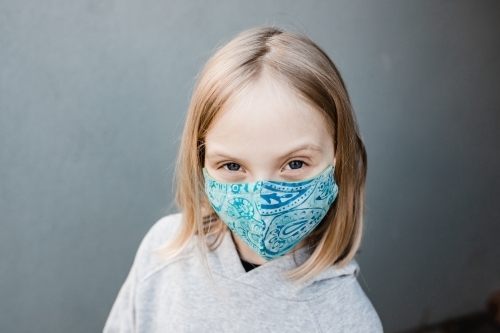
column 267, row 115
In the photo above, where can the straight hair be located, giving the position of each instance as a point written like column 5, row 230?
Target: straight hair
column 296, row 61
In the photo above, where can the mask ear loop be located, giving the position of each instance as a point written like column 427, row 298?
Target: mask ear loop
column 334, row 166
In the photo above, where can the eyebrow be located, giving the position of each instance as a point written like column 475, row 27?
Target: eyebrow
column 307, row 146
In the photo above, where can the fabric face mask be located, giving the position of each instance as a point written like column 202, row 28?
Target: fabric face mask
column 271, row 217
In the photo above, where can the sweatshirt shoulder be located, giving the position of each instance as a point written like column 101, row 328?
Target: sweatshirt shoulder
column 346, row 308
column 162, row 231
column 147, row 258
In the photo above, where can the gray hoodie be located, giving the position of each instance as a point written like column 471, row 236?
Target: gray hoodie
column 177, row 295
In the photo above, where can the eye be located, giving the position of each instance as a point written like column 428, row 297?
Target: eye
column 232, row 166
column 296, row 164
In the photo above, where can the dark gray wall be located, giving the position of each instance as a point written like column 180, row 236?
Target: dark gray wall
column 92, row 101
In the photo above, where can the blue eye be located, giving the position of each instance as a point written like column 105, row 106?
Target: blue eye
column 232, row 166
column 295, row 164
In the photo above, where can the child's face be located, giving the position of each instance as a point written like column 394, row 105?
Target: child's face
column 268, row 133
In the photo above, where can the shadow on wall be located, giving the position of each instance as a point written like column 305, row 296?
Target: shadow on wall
column 487, row 321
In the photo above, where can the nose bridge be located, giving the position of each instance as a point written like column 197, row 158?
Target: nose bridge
column 263, row 176
column 263, row 172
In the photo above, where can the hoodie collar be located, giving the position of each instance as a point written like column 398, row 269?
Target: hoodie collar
column 270, row 277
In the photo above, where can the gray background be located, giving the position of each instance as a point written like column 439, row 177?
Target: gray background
column 93, row 97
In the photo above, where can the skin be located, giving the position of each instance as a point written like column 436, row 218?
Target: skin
column 268, row 132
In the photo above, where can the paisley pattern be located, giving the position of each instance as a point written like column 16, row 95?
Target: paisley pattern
column 271, row 217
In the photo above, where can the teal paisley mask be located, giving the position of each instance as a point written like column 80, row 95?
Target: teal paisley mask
column 271, row 217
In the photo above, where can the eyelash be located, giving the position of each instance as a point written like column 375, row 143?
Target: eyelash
column 295, row 160
column 226, row 164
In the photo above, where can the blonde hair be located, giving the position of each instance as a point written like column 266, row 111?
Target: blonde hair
column 298, row 62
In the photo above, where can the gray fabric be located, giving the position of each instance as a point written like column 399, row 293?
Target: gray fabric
column 177, row 296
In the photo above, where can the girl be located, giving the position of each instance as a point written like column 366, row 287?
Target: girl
column 270, row 182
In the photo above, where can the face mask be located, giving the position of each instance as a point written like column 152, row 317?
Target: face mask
column 271, row 217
